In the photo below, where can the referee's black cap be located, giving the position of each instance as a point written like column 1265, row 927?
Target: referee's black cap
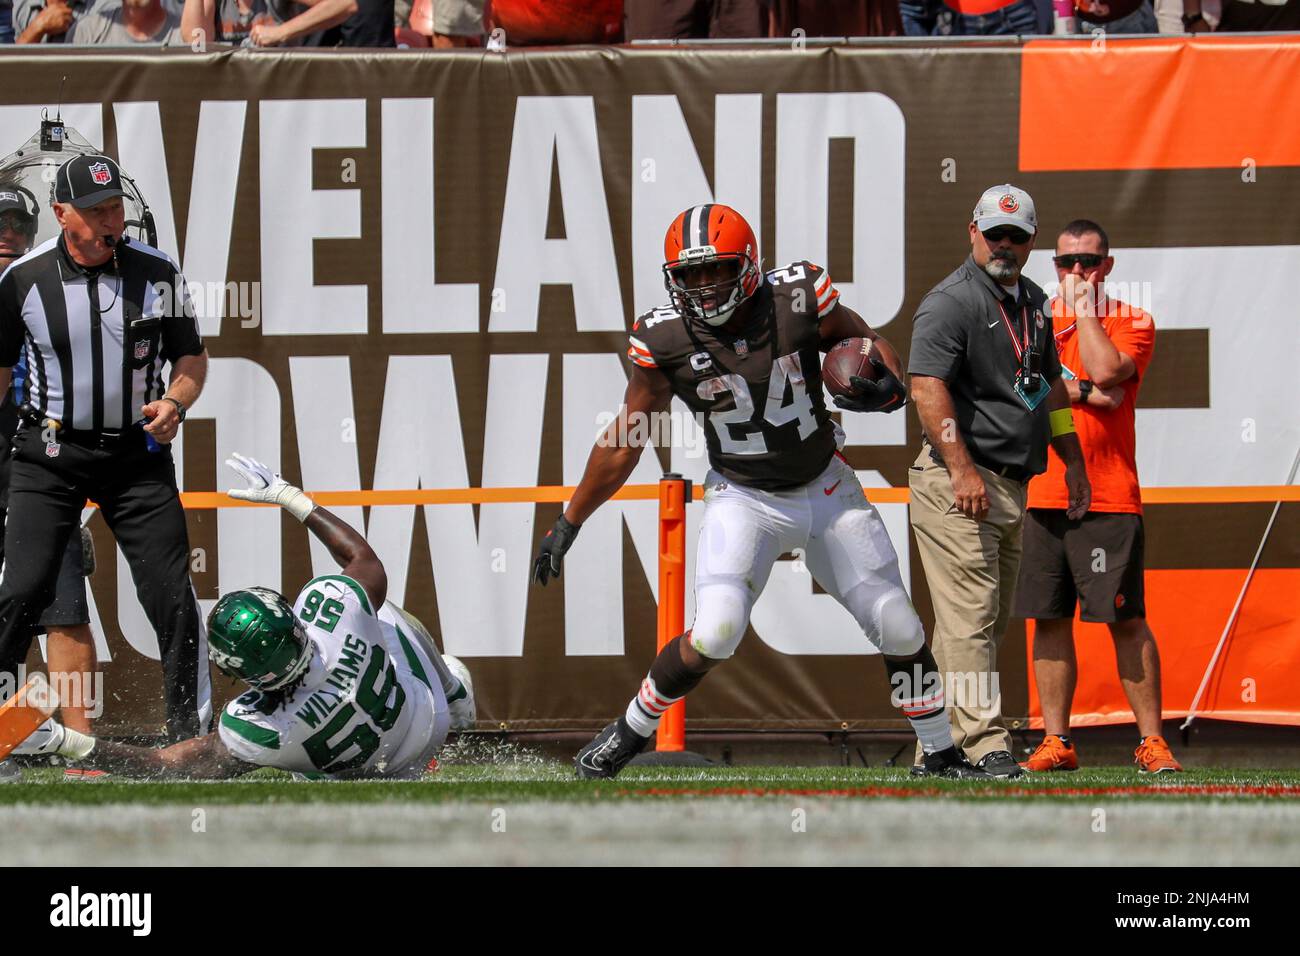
column 87, row 180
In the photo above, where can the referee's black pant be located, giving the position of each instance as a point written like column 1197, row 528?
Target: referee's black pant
column 136, row 492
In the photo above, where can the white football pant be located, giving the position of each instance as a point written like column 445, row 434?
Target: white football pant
column 846, row 548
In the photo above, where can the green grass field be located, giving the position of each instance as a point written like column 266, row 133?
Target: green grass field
column 531, row 811
column 554, row 782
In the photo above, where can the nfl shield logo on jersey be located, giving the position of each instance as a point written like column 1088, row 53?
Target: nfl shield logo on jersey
column 141, row 349
column 52, row 449
column 100, row 174
column 742, row 347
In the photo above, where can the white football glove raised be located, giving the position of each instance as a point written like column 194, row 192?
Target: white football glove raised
column 265, row 485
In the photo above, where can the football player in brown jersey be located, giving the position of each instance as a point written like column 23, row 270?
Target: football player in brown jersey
column 743, row 349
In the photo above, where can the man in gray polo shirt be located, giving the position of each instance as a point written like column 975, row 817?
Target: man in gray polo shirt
column 987, row 386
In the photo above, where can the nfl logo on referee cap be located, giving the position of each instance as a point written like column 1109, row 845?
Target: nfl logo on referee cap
column 87, row 180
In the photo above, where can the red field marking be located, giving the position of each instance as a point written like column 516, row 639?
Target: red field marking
column 1191, row 790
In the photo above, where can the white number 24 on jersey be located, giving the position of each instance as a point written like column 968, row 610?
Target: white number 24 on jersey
column 787, row 370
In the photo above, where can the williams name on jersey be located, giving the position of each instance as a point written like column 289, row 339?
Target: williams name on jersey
column 758, row 390
column 370, row 703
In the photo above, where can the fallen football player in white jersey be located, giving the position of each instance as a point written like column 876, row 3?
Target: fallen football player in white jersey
column 342, row 683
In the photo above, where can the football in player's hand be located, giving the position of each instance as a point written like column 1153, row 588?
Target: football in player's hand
column 849, row 358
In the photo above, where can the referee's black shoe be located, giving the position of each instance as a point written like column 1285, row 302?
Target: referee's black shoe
column 610, row 751
column 1001, row 764
column 951, row 764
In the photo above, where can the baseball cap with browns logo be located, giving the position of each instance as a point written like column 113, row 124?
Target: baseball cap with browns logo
column 1005, row 205
column 88, row 180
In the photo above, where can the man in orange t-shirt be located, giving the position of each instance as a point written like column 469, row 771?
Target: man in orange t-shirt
column 1104, row 347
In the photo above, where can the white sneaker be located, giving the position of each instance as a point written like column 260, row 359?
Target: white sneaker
column 464, row 712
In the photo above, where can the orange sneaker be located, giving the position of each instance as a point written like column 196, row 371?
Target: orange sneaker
column 1154, row 756
column 1052, row 754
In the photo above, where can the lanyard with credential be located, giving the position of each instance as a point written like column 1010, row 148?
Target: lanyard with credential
column 1028, row 384
column 1016, row 342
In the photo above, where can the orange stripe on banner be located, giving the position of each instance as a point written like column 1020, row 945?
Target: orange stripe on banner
column 1169, row 104
column 555, row 494
column 1187, row 610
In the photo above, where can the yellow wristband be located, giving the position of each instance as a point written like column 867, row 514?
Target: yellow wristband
column 1062, row 422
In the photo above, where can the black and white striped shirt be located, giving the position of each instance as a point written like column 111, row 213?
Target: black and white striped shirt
column 88, row 346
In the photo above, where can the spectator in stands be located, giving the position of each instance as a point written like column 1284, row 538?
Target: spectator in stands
column 926, row 18
column 6, row 21
column 994, row 17
column 288, row 23
column 556, row 22
column 1102, row 15
column 1252, row 15
column 859, row 18
column 124, row 22
column 226, row 21
column 694, row 19
column 369, row 25
column 450, row 23
column 923, row 18
column 46, row 21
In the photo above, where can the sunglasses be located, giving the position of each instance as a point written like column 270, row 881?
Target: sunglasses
column 1017, row 236
column 1089, row 260
column 14, row 222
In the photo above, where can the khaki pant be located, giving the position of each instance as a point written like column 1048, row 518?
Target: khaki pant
column 971, row 569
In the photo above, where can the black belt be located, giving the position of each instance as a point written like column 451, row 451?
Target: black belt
column 85, row 438
column 1013, row 472
column 94, row 439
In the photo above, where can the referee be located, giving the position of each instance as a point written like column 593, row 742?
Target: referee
column 70, row 646
column 87, row 321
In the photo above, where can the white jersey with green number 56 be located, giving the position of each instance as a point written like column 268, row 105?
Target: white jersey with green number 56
column 370, row 704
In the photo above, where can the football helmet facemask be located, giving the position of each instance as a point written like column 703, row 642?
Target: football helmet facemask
column 255, row 636
column 711, row 262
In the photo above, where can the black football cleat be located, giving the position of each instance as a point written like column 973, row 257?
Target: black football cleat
column 950, row 764
column 609, row 752
column 1000, row 764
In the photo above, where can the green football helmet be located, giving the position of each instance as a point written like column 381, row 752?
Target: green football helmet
column 254, row 635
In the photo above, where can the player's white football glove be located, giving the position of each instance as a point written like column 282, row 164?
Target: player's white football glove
column 45, row 739
column 266, row 485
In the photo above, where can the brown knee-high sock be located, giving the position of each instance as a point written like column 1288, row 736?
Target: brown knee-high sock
column 669, row 681
column 918, row 693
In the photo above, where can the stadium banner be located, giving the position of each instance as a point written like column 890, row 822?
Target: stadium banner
column 417, row 272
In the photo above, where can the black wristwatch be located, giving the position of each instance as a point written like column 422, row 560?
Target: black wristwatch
column 180, row 409
column 1085, row 389
column 1190, row 18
